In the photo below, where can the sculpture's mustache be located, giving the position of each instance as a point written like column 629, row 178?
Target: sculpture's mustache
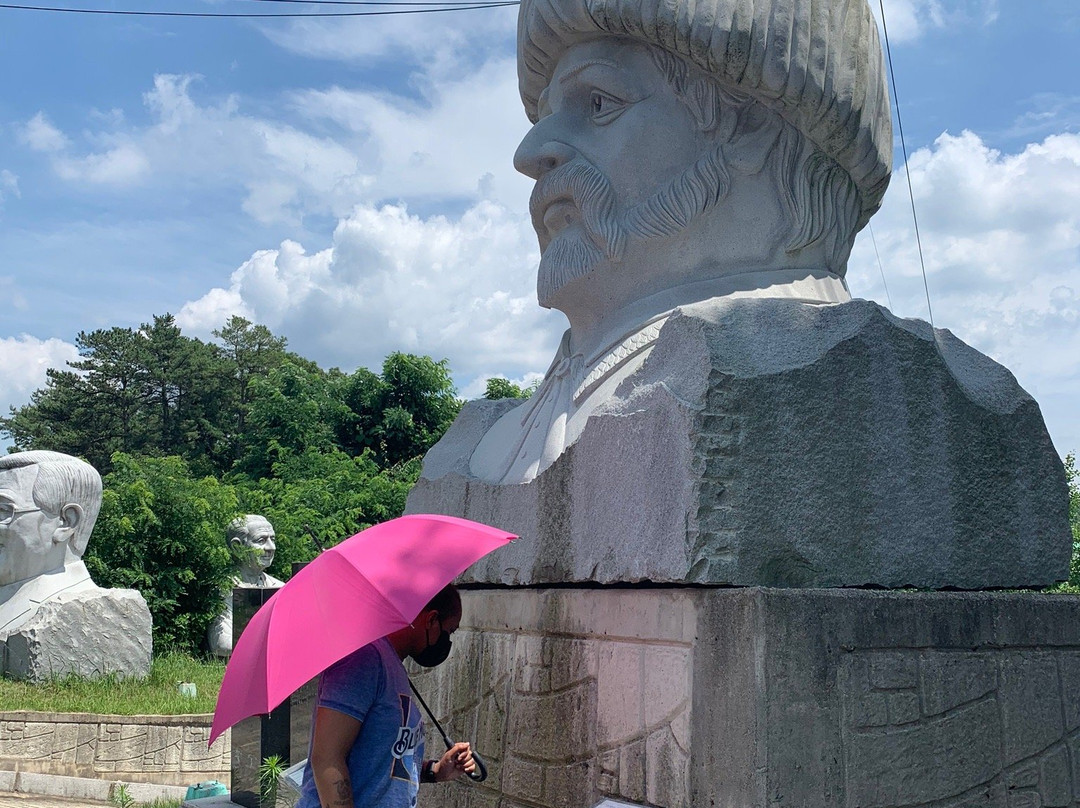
column 582, row 183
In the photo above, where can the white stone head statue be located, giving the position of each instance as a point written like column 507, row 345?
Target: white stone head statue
column 684, row 143
column 49, row 503
column 251, row 541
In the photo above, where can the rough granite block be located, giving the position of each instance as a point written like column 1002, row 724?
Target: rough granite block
column 777, row 443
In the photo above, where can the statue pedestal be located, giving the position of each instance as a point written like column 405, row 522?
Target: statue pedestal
column 691, row 697
column 89, row 633
column 255, row 739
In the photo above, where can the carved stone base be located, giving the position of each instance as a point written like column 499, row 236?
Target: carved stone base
column 697, row 697
column 92, row 634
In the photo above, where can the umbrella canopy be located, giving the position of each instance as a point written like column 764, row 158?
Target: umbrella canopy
column 370, row 585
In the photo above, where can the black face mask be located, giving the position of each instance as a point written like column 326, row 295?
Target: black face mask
column 437, row 652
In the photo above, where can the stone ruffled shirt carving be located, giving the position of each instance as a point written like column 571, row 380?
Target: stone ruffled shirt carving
column 528, row 439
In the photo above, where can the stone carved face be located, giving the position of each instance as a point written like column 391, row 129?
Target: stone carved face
column 612, row 133
column 32, row 541
column 254, row 545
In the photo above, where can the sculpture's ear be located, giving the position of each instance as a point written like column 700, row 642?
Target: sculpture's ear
column 71, row 516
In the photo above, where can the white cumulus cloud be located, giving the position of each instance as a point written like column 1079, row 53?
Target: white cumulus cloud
column 25, row 360
column 907, row 20
column 460, row 288
column 40, row 135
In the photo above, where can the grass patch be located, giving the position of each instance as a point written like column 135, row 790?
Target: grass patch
column 155, row 695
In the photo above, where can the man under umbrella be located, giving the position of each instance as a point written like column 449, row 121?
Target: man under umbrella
column 367, row 740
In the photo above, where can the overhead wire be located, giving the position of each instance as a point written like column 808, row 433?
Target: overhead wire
column 881, row 268
column 388, row 2
column 907, row 169
column 430, row 8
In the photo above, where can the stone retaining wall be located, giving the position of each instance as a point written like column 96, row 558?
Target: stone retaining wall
column 164, row 749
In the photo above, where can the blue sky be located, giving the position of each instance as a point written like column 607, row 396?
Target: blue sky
column 349, row 184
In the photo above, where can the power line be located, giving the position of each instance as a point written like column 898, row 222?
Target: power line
column 881, row 268
column 907, row 170
column 468, row 6
column 393, row 2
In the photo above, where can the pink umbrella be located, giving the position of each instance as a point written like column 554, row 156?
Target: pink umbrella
column 371, row 584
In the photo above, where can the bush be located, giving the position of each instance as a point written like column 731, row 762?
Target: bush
column 161, row 531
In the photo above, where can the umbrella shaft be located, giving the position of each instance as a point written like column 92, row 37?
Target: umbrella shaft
column 438, row 726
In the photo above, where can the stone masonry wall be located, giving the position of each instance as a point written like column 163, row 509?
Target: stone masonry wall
column 763, row 698
column 169, row 750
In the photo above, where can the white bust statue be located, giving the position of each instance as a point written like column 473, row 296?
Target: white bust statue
column 251, row 541
column 48, row 505
column 683, row 152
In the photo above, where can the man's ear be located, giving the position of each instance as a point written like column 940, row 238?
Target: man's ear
column 71, row 516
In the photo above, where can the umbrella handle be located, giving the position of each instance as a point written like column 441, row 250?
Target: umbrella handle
column 479, row 774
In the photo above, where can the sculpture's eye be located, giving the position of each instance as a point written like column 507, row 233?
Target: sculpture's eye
column 604, row 108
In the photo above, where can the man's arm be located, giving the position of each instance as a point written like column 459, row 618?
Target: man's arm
column 332, row 738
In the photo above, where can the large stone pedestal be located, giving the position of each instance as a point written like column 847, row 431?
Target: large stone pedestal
column 747, row 698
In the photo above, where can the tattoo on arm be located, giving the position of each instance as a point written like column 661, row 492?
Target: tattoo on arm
column 343, row 794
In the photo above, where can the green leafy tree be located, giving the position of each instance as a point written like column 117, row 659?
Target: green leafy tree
column 401, row 414
column 186, row 396
column 150, row 390
column 55, row 418
column 1072, row 474
column 252, row 351
column 504, row 388
column 161, row 531
column 328, row 494
column 292, row 410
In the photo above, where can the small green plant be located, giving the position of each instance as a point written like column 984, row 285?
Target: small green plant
column 270, row 771
column 120, row 797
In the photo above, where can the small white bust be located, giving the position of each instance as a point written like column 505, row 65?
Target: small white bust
column 668, row 173
column 251, row 541
column 48, row 505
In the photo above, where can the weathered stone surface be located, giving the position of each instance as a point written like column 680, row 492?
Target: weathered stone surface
column 92, row 633
column 767, row 697
column 771, row 442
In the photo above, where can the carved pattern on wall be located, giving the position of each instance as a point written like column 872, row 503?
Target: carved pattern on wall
column 566, row 721
column 972, row 713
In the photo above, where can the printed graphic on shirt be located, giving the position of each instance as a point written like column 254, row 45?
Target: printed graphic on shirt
column 408, row 738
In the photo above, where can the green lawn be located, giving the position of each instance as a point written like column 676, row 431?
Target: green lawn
column 155, row 695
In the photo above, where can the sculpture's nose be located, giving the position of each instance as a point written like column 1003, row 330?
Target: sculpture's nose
column 539, row 152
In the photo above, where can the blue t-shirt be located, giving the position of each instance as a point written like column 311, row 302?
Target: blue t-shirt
column 384, row 763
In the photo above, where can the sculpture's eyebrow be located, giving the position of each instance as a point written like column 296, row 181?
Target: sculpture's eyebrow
column 574, row 71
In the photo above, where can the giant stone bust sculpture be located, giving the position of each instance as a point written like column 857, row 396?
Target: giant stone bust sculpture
column 48, row 505
column 720, row 410
column 251, row 542
column 674, row 165
column 53, row 618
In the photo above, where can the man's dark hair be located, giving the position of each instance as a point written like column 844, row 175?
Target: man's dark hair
column 447, row 603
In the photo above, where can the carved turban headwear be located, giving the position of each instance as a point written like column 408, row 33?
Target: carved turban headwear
column 818, row 63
